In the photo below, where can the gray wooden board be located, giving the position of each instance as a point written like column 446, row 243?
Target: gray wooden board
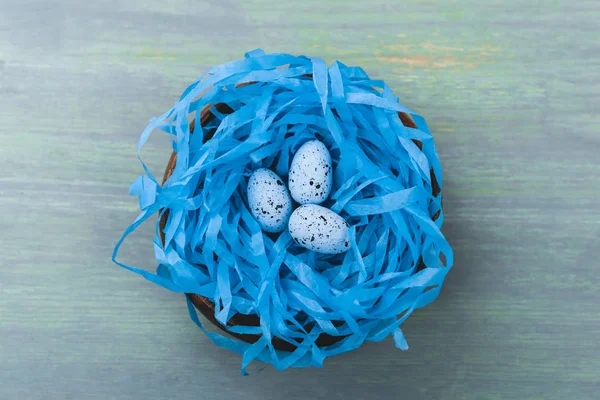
column 511, row 91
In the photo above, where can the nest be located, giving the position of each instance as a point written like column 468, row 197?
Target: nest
column 275, row 300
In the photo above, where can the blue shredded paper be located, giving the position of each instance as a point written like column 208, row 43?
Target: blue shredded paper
column 383, row 186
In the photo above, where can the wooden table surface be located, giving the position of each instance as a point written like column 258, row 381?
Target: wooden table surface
column 511, row 91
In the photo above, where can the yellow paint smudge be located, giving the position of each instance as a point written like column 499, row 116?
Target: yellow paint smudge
column 432, row 47
column 429, row 62
column 431, row 56
column 397, row 46
column 335, row 50
column 414, row 61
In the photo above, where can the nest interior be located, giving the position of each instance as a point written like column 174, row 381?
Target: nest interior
column 204, row 305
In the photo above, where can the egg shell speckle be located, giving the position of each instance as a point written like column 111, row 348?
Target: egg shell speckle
column 320, row 229
column 269, row 200
column 310, row 173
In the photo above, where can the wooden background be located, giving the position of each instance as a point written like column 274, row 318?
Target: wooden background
column 511, row 91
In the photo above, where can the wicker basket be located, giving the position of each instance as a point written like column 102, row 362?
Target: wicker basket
column 207, row 307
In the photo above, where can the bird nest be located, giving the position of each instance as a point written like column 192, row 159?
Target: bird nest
column 274, row 299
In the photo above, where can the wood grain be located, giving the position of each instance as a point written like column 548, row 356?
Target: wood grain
column 510, row 90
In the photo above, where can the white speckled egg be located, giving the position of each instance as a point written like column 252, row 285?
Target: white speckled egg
column 310, row 173
column 320, row 229
column 269, row 200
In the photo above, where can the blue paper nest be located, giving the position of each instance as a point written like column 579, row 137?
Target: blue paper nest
column 387, row 185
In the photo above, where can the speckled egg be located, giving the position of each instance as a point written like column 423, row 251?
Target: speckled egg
column 320, row 229
column 310, row 173
column 269, row 200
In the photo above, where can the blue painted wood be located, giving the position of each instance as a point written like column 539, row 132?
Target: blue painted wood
column 510, row 90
